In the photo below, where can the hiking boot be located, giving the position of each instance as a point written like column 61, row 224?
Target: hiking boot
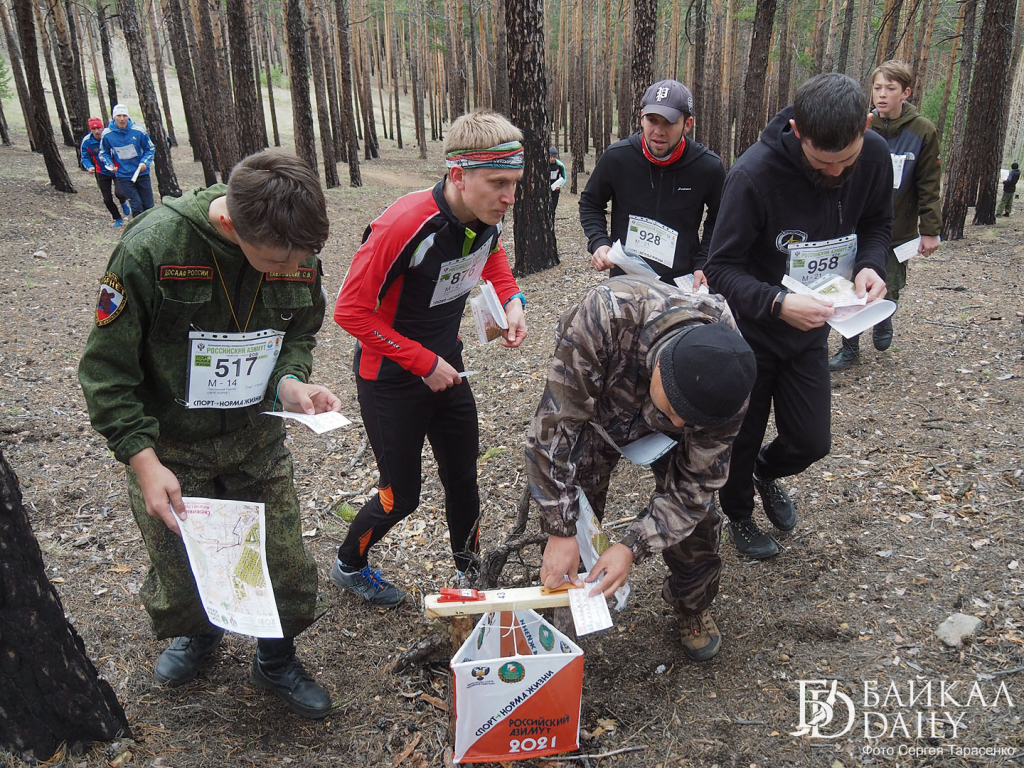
column 881, row 335
column 777, row 505
column 183, row 658
column 126, row 209
column 848, row 354
column 281, row 673
column 368, row 584
column 118, row 223
column 751, row 541
column 701, row 639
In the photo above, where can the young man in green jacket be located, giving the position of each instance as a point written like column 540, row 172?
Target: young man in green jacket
column 227, row 260
column 914, row 147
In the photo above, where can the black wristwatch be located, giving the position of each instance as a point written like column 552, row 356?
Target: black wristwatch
column 777, row 304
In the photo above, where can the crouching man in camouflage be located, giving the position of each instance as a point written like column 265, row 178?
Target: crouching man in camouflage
column 637, row 357
column 227, row 260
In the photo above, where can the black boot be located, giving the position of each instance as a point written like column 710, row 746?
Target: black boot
column 183, row 658
column 848, row 354
column 276, row 669
column 881, row 334
column 778, row 507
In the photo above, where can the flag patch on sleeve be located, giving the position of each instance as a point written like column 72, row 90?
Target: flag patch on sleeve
column 112, row 300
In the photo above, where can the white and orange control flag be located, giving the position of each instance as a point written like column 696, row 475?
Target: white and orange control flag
column 518, row 688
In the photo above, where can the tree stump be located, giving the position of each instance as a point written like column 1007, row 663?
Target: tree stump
column 50, row 692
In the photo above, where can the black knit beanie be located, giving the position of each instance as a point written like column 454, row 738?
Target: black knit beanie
column 707, row 372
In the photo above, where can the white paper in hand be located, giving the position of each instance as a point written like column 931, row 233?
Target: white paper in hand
column 590, row 614
column 318, row 422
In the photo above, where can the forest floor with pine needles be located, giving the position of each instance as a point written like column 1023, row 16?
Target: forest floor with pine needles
column 915, row 515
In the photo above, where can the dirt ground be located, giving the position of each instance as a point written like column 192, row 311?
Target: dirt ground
column 916, row 515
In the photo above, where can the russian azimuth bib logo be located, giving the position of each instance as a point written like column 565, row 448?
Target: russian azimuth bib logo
column 911, row 709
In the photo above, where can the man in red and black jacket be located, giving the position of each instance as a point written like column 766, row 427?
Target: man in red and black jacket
column 403, row 300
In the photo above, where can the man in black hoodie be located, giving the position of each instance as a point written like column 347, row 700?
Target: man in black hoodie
column 814, row 176
column 660, row 183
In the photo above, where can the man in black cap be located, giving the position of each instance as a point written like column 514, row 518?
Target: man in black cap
column 660, row 182
column 637, row 357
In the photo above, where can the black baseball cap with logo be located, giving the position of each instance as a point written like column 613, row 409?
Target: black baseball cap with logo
column 668, row 98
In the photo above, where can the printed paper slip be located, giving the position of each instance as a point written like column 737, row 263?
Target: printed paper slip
column 686, row 283
column 628, row 263
column 318, row 422
column 590, row 614
column 850, row 319
column 908, row 249
column 227, row 550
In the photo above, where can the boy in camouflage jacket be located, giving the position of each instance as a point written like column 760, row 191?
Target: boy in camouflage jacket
column 170, row 275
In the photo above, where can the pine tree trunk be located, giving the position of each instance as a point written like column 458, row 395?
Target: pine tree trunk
column 535, row 245
column 167, row 181
column 455, row 60
column 104, row 113
column 68, row 65
column 255, row 53
column 348, row 116
column 990, row 91
column 108, row 64
column 323, row 115
column 248, row 115
column 831, row 54
column 5, row 134
column 14, row 49
column 501, row 79
column 957, row 192
column 195, row 119
column 642, row 70
column 158, row 60
column 62, row 118
column 50, row 692
column 218, row 107
column 947, row 89
column 843, row 60
column 923, row 56
column 325, row 22
column 302, row 109
column 270, row 88
column 40, row 117
column 820, row 36
column 576, row 94
column 698, row 17
column 786, row 45
column 752, row 116
column 394, row 57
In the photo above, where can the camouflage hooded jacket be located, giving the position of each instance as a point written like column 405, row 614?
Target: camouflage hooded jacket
column 605, row 352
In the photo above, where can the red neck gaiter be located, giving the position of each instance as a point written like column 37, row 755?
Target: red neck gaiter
column 667, row 160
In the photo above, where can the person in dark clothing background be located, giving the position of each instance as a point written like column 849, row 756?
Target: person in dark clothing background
column 660, row 183
column 816, row 175
column 1009, row 187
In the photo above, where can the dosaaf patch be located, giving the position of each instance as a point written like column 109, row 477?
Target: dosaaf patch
column 112, row 300
column 173, row 272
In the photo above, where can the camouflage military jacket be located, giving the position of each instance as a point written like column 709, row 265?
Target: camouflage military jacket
column 606, row 350
column 161, row 282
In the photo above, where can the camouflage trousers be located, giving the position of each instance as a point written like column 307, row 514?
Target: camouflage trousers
column 694, row 565
column 895, row 276
column 247, row 465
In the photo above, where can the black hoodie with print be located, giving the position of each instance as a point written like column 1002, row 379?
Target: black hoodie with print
column 769, row 201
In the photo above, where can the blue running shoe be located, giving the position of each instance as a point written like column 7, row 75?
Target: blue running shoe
column 368, row 584
column 118, row 223
column 126, row 209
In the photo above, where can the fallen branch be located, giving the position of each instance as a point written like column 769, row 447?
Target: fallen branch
column 623, row 751
column 494, row 561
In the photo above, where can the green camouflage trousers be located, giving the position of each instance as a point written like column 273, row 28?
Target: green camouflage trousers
column 246, row 465
column 694, row 565
column 895, row 276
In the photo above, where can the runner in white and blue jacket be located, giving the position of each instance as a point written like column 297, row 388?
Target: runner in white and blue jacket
column 124, row 148
column 90, row 160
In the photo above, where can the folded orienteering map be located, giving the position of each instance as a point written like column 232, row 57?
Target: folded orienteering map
column 226, row 545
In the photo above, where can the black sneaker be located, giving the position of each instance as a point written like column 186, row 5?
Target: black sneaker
column 777, row 505
column 751, row 541
column 291, row 683
column 881, row 335
column 184, row 657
